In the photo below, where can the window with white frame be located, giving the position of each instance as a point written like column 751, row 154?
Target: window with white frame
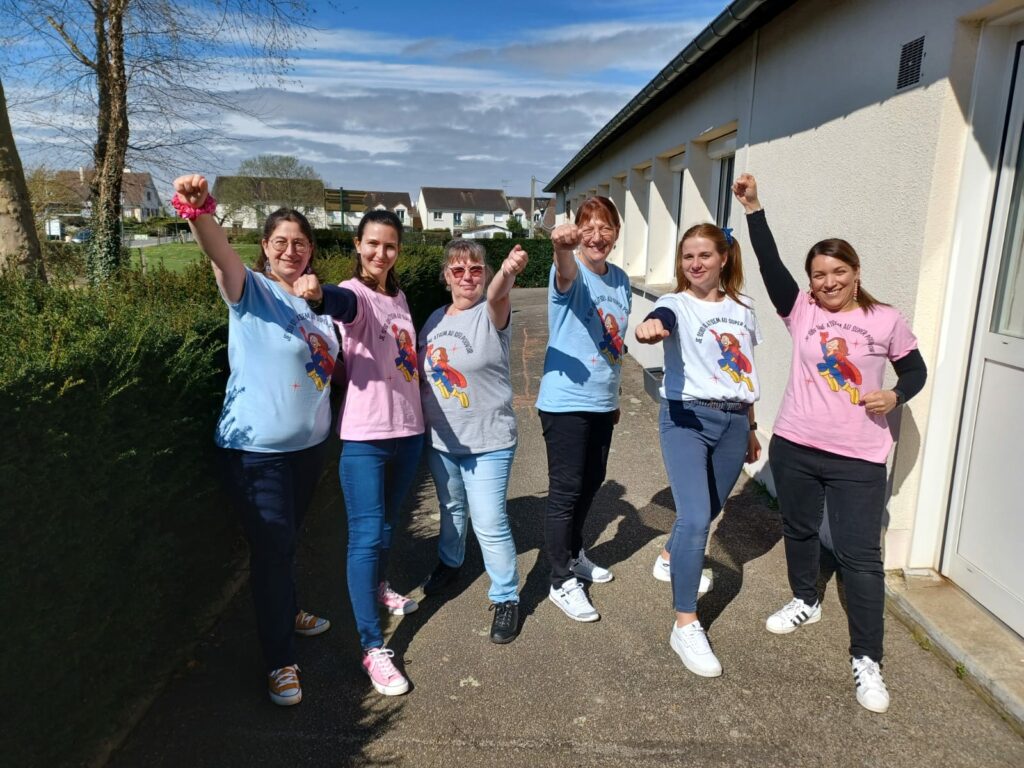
column 438, row 216
column 400, row 213
column 722, row 152
column 457, row 218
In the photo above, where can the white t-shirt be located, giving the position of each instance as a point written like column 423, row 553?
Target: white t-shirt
column 710, row 354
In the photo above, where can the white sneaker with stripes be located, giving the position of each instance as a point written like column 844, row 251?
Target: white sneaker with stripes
column 792, row 615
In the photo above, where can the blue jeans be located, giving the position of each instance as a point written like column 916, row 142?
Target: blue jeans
column 375, row 477
column 703, row 450
column 272, row 492
column 478, row 482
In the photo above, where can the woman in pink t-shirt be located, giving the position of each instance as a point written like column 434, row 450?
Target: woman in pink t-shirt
column 381, row 428
column 831, row 438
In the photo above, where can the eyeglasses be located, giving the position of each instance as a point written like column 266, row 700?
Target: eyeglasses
column 280, row 245
column 589, row 232
column 476, row 270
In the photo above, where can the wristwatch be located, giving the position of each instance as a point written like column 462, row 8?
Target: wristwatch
column 900, row 397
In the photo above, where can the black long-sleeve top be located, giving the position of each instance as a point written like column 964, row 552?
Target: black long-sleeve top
column 783, row 292
column 340, row 303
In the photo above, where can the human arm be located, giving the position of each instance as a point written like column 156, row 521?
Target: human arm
column 564, row 239
column 782, row 288
column 228, row 269
column 753, row 444
column 334, row 300
column 657, row 326
column 911, row 373
column 499, row 305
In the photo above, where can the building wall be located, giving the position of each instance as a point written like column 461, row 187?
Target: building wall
column 811, row 99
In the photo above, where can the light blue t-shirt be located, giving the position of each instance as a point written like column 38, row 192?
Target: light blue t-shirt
column 282, row 355
column 586, row 342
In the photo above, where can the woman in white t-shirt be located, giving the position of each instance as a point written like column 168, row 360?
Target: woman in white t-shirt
column 707, row 422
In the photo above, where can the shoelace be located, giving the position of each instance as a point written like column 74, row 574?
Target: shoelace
column 285, row 676
column 695, row 638
column 380, row 659
column 867, row 674
column 502, row 615
column 794, row 608
column 306, row 620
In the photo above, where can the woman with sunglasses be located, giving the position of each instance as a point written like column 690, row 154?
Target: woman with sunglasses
column 276, row 417
column 466, row 389
column 588, row 308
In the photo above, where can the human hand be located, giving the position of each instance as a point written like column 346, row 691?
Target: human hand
column 308, row 287
column 192, row 188
column 753, row 448
column 879, row 403
column 651, row 331
column 745, row 190
column 515, row 262
column 616, row 415
column 565, row 237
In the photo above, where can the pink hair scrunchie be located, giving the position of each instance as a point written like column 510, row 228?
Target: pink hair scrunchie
column 190, row 212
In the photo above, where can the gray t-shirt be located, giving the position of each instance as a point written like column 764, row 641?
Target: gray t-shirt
column 465, row 383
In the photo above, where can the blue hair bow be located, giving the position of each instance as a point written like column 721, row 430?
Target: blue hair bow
column 727, row 231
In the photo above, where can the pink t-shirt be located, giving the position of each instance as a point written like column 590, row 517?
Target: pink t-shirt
column 382, row 399
column 838, row 357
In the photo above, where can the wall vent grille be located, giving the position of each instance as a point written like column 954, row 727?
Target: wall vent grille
column 911, row 57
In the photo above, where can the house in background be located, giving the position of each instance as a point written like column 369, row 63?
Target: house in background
column 461, row 209
column 243, row 202
column 486, row 232
column 345, row 207
column 139, row 197
column 897, row 126
column 399, row 203
column 519, row 208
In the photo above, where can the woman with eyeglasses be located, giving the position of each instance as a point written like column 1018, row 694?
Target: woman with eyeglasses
column 276, row 416
column 466, row 389
column 706, row 426
column 381, row 429
column 588, row 308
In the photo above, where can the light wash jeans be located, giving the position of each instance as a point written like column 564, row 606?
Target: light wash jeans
column 478, row 482
column 375, row 477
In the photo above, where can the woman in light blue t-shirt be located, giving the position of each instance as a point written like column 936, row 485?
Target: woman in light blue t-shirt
column 588, row 309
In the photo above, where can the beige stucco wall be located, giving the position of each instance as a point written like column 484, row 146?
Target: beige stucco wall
column 837, row 152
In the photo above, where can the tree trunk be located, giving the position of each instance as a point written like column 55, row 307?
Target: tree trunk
column 19, row 243
column 105, row 252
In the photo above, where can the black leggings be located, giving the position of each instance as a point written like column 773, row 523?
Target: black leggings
column 809, row 481
column 577, row 444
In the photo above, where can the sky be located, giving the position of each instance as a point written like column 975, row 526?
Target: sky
column 448, row 94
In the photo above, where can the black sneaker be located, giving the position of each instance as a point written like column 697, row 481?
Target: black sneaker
column 442, row 576
column 505, row 625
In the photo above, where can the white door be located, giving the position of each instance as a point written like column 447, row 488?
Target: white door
column 986, row 552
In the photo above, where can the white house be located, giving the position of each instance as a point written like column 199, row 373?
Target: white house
column 461, row 209
column 898, row 127
column 233, row 194
column 399, row 203
column 487, row 232
column 139, row 197
column 519, row 207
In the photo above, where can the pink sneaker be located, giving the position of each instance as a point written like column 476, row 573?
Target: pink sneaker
column 396, row 604
column 385, row 678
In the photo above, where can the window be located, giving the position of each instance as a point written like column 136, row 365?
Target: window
column 400, row 213
column 438, row 216
column 519, row 216
column 499, row 217
column 457, row 217
column 723, row 152
column 148, row 196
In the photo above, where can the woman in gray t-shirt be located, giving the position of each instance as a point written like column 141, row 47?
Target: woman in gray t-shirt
column 471, row 427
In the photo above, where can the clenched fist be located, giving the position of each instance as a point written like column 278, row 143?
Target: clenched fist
column 192, row 188
column 651, row 331
column 308, row 287
column 515, row 262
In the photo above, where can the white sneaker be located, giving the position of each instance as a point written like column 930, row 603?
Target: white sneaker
column 571, row 598
column 582, row 568
column 662, row 572
column 793, row 614
column 871, row 691
column 691, row 643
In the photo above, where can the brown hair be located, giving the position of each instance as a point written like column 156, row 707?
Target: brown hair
column 732, row 270
column 465, row 249
column 842, row 250
column 389, row 219
column 598, row 207
column 272, row 222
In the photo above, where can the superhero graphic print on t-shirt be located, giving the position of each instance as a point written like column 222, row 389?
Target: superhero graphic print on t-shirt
column 733, row 361
column 837, row 369
column 321, row 364
column 406, row 360
column 449, row 381
column 611, row 345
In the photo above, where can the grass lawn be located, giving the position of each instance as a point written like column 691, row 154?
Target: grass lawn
column 176, row 256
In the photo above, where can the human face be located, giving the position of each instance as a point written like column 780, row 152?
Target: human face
column 378, row 250
column 288, row 251
column 466, row 280
column 833, row 283
column 702, row 266
column 597, row 238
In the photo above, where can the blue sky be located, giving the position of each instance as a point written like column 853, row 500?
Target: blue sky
column 402, row 95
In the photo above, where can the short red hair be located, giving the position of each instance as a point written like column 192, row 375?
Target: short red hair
column 598, row 208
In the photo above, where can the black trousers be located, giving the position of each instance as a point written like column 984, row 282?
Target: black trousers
column 577, row 445
column 809, row 481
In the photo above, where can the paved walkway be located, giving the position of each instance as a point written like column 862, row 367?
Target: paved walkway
column 606, row 694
